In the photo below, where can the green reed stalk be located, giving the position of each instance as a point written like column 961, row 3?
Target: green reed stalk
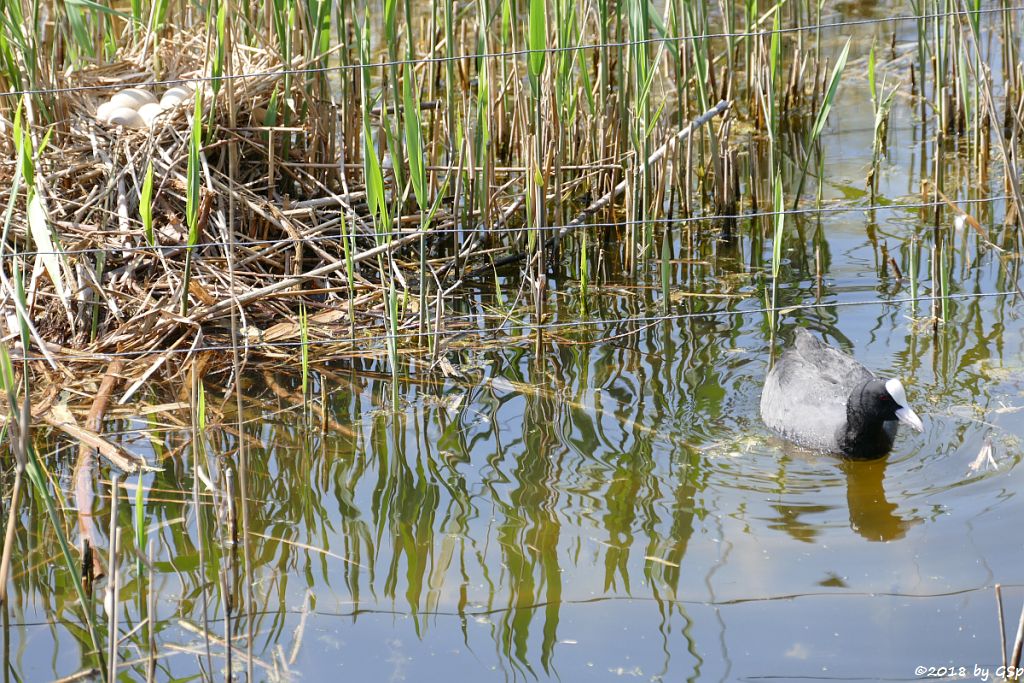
column 451, row 101
column 373, row 174
column 392, row 311
column 83, row 42
column 780, row 223
column 140, row 532
column 666, row 270
column 283, row 15
column 945, row 256
column 770, row 99
column 506, row 46
column 192, row 193
column 320, row 43
column 410, row 47
column 113, row 580
column 913, row 271
column 1010, row 52
column 584, row 271
column 39, row 228
column 26, row 155
column 346, row 87
column 643, row 74
column 219, row 53
column 146, row 205
column 414, row 138
column 198, row 413
column 22, row 299
column 577, row 37
column 819, row 122
column 137, row 20
column 728, row 13
column 817, row 33
column 392, row 126
column 922, row 57
column 17, row 49
column 348, row 245
column 270, row 118
column 603, row 17
column 304, row 346
column 881, row 107
column 676, row 27
column 642, row 77
column 418, row 180
column 970, row 64
column 537, row 44
column 751, row 14
column 564, row 91
column 157, row 16
column 484, row 116
column 99, row 267
column 24, row 168
column 939, row 73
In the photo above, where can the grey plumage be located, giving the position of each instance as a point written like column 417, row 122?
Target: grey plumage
column 822, row 399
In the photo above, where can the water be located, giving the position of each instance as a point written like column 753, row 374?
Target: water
column 610, row 505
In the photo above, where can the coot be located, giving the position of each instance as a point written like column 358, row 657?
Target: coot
column 820, row 398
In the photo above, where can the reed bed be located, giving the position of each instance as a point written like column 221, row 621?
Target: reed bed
column 359, row 167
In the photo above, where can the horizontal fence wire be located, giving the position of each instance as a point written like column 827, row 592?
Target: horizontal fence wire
column 524, row 52
column 640, row 321
column 394, row 234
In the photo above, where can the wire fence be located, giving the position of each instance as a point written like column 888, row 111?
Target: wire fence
column 507, row 54
column 508, row 325
column 125, row 249
column 522, row 230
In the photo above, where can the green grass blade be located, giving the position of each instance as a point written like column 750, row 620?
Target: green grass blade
column 194, row 171
column 780, row 223
column 414, row 139
column 537, row 40
column 192, row 189
column 819, row 122
column 830, row 94
column 146, row 205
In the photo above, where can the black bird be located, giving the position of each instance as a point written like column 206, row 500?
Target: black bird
column 820, row 398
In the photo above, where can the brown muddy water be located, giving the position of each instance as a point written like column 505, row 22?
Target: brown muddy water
column 608, row 506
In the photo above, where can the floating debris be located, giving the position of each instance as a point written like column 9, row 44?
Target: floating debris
column 984, row 458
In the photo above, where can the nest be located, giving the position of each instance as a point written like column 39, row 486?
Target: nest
column 277, row 221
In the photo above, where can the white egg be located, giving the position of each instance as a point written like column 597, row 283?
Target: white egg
column 127, row 117
column 174, row 96
column 149, row 112
column 104, row 111
column 133, row 98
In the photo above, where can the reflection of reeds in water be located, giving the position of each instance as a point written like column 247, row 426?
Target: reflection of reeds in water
column 18, row 428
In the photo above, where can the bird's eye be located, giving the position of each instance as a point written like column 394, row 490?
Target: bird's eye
column 885, row 398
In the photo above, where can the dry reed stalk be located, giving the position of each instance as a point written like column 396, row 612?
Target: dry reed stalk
column 619, row 189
